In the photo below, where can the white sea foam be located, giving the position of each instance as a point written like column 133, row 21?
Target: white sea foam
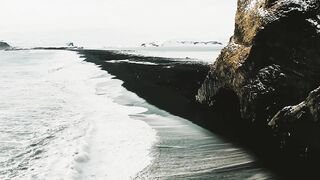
column 132, row 62
column 64, row 118
column 63, row 122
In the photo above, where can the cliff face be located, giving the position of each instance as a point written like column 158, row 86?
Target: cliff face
column 4, row 45
column 272, row 60
column 298, row 126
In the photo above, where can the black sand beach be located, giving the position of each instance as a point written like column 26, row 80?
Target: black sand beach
column 172, row 85
column 169, row 84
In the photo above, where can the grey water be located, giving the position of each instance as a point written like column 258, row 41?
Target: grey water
column 187, row 151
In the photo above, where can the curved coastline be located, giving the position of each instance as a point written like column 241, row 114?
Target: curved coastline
column 173, row 90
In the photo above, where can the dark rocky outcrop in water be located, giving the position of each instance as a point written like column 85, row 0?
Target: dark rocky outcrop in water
column 4, row 45
column 272, row 63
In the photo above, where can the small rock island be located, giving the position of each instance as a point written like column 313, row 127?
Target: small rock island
column 4, row 45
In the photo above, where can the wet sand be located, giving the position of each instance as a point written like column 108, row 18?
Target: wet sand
column 172, row 84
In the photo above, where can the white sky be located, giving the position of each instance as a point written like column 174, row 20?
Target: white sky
column 115, row 22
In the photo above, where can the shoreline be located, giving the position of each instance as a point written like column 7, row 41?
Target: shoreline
column 172, row 86
column 62, row 110
column 184, row 150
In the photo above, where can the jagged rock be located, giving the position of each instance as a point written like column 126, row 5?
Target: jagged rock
column 271, row 61
column 4, row 45
column 70, row 44
column 298, row 126
column 152, row 44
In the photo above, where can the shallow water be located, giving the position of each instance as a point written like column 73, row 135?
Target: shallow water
column 58, row 120
column 187, row 151
column 64, row 118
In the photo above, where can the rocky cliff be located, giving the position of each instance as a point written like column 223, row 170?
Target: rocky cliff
column 4, row 45
column 272, row 63
column 298, row 126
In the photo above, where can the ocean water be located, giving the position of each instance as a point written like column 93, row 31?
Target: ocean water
column 58, row 120
column 64, row 118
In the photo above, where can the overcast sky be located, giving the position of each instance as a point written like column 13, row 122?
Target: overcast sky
column 115, row 22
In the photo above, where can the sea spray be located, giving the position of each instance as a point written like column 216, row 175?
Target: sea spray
column 59, row 115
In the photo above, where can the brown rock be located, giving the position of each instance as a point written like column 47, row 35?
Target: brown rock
column 272, row 60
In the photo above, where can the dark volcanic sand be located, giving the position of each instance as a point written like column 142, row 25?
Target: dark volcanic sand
column 172, row 85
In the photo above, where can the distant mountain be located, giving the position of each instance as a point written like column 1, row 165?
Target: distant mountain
column 152, row 44
column 190, row 43
column 182, row 44
column 4, row 45
column 71, row 45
